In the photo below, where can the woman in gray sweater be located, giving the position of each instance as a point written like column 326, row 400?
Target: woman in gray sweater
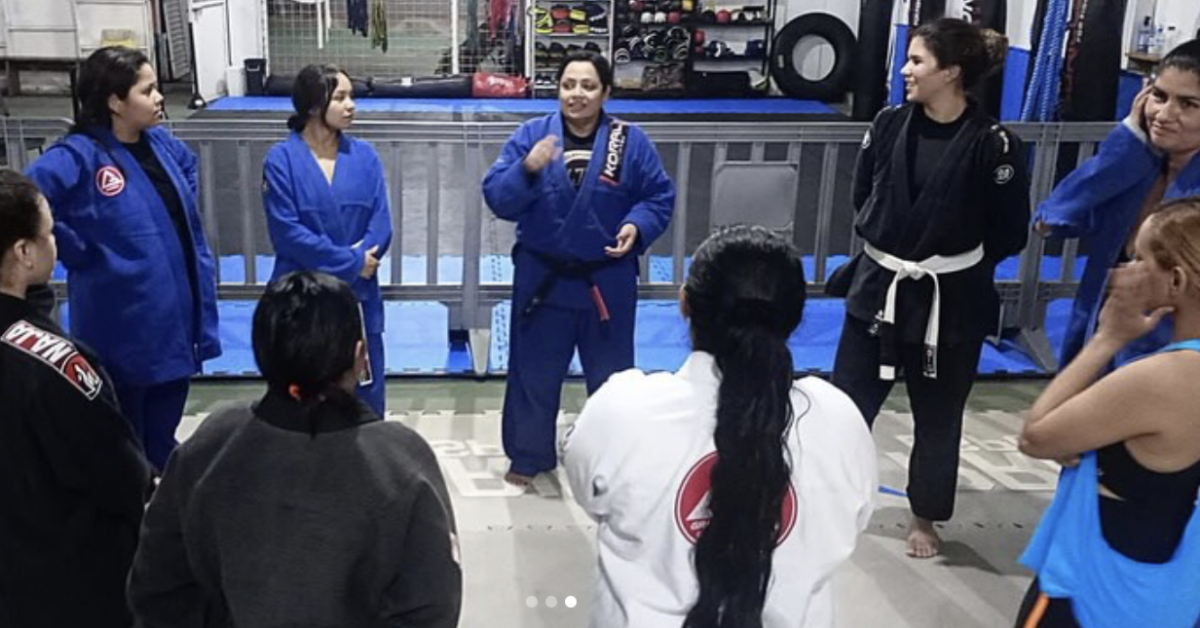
column 303, row 508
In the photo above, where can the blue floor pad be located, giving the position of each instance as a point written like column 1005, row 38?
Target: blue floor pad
column 499, row 269
column 540, row 106
column 417, row 343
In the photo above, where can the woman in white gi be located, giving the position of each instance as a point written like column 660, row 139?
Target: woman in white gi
column 327, row 204
column 1120, row 545
column 942, row 196
column 727, row 489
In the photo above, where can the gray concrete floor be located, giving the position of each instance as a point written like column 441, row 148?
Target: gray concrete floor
column 518, row 546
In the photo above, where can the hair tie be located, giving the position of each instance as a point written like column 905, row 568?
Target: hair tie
column 294, row 391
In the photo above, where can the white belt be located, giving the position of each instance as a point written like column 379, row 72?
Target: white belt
column 932, row 267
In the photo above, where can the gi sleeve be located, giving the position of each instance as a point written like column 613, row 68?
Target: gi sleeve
column 864, row 168
column 590, row 447
column 379, row 229
column 61, row 177
column 426, row 589
column 1005, row 187
column 291, row 237
column 163, row 590
column 509, row 190
column 91, row 447
column 654, row 197
column 1125, row 159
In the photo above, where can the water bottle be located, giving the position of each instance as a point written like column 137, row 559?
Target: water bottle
column 1145, row 36
column 1160, row 36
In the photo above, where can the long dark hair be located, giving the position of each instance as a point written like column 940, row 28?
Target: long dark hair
column 744, row 296
column 110, row 71
column 312, row 92
column 20, row 216
column 306, row 327
column 978, row 52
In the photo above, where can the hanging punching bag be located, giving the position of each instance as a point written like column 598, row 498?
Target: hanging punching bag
column 870, row 73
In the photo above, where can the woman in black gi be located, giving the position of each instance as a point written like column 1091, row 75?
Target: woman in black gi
column 942, row 195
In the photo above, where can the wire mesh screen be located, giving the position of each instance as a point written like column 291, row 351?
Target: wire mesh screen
column 390, row 39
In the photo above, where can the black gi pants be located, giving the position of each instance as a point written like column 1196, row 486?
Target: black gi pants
column 937, row 406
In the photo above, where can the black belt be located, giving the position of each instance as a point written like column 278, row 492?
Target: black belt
column 568, row 269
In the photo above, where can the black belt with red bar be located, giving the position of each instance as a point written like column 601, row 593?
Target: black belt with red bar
column 569, row 269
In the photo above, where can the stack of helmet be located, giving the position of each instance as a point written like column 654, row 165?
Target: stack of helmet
column 597, row 18
column 560, row 14
column 542, row 22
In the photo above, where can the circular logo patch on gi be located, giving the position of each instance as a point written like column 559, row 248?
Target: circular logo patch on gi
column 109, row 181
column 691, row 503
column 1003, row 174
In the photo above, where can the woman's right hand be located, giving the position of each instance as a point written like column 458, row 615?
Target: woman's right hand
column 370, row 262
column 1137, row 113
column 542, row 154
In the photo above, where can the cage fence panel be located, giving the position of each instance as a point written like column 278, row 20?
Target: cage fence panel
column 392, row 39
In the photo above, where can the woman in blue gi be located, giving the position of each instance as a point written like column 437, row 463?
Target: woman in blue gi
column 1120, row 544
column 1150, row 156
column 942, row 196
column 589, row 194
column 140, row 276
column 327, row 204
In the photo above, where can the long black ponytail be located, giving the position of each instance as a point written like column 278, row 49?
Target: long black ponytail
column 744, row 297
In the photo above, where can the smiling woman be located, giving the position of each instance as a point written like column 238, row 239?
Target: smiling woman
column 1150, row 157
column 589, row 194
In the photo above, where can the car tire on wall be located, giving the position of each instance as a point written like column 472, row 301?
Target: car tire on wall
column 783, row 68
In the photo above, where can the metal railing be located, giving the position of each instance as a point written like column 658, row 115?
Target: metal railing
column 434, row 171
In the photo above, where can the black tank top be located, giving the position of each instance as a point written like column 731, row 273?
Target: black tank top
column 1148, row 522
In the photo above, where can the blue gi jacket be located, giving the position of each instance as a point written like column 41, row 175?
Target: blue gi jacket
column 318, row 226
column 127, row 278
column 1100, row 201
column 625, row 183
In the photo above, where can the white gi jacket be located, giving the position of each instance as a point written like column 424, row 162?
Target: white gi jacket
column 636, row 459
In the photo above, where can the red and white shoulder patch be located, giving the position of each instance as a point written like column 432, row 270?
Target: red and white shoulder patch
column 56, row 352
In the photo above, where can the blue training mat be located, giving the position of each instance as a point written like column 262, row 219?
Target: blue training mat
column 416, row 341
column 541, row 106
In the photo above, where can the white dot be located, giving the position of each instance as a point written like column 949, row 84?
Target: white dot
column 570, row 601
column 531, row 602
column 551, row 602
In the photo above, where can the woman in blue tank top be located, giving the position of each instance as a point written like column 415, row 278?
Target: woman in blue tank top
column 1120, row 544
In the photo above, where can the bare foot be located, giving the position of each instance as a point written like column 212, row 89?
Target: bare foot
column 516, row 479
column 923, row 539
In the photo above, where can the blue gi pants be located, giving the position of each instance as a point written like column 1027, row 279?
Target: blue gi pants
column 373, row 395
column 154, row 412
column 541, row 345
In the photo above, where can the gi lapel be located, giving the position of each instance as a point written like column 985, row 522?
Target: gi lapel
column 311, row 176
column 557, row 170
column 581, row 216
column 136, row 179
column 947, row 163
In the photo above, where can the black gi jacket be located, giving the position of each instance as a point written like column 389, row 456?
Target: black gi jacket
column 978, row 193
column 267, row 519
column 72, row 480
